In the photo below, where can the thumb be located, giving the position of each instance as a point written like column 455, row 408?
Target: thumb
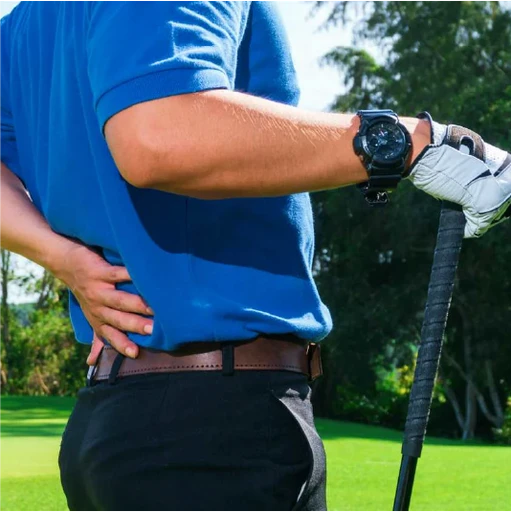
column 97, row 345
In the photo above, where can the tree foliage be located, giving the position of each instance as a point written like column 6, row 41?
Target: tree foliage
column 39, row 352
column 454, row 60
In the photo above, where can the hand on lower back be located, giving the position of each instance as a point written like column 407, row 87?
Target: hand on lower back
column 110, row 312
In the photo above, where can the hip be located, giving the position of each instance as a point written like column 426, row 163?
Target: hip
column 251, row 426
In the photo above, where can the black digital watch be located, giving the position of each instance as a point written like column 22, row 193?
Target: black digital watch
column 384, row 146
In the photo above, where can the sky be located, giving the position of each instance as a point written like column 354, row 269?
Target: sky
column 318, row 84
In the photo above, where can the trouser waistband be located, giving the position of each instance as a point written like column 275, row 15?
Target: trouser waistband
column 262, row 353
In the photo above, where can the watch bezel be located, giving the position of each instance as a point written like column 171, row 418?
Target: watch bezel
column 372, row 157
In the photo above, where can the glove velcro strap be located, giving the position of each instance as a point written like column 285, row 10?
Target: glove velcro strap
column 458, row 136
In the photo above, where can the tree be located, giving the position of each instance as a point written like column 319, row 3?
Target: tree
column 6, row 274
column 39, row 352
column 57, row 361
column 454, row 60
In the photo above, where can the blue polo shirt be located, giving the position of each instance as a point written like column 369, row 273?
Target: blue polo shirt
column 211, row 270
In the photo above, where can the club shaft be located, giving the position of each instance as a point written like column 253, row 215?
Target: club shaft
column 405, row 483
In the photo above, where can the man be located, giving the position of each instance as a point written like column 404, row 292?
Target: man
column 168, row 169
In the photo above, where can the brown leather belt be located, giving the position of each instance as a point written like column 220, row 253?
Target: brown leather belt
column 262, row 353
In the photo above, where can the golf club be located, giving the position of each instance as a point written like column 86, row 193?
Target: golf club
column 441, row 284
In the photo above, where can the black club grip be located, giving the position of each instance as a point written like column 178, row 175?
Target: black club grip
column 445, row 262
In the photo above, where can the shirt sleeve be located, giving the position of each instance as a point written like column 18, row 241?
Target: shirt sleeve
column 9, row 148
column 141, row 51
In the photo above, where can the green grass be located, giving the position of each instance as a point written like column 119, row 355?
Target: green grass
column 31, row 429
column 363, row 463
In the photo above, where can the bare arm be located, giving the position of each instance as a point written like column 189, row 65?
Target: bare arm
column 223, row 144
column 25, row 231
column 91, row 278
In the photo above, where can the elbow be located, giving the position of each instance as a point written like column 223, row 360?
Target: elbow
column 174, row 167
column 170, row 163
column 150, row 152
column 145, row 163
column 137, row 176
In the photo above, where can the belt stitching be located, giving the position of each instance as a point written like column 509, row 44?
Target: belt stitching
column 140, row 370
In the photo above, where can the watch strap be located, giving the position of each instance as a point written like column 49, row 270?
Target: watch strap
column 381, row 178
column 373, row 114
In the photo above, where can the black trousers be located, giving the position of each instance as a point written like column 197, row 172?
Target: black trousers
column 194, row 441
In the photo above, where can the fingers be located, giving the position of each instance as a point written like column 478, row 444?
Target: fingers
column 126, row 321
column 97, row 345
column 124, row 301
column 114, row 274
column 119, row 341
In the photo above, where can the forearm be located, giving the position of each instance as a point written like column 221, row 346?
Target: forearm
column 223, row 144
column 25, row 231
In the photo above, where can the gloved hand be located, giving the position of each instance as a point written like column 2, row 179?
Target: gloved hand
column 458, row 166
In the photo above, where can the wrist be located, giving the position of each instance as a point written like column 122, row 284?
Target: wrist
column 420, row 131
column 55, row 257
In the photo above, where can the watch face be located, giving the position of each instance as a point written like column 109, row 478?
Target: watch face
column 385, row 141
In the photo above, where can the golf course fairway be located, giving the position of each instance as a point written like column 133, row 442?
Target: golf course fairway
column 363, row 464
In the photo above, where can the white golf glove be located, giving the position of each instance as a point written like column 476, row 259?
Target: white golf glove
column 458, row 166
